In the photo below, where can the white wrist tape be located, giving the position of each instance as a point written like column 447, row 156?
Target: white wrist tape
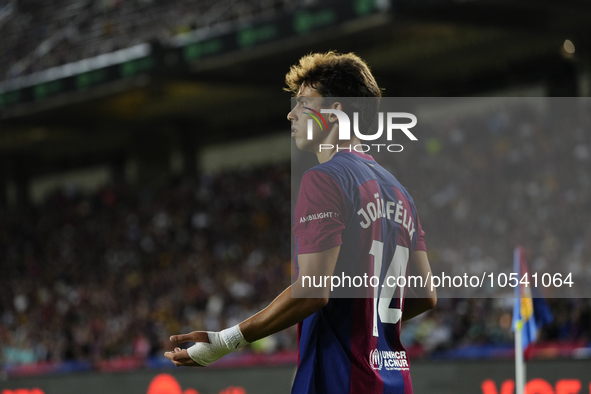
column 221, row 343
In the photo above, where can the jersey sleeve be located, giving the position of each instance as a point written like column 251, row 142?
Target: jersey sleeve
column 420, row 245
column 319, row 214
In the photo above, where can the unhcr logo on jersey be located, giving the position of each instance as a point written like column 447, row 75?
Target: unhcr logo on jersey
column 391, row 359
column 375, row 359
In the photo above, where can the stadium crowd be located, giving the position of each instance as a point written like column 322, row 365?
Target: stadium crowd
column 516, row 176
column 89, row 278
column 115, row 273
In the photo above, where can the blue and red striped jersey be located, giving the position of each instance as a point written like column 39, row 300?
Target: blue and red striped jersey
column 352, row 345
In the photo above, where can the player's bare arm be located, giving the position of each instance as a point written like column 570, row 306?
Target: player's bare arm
column 290, row 307
column 423, row 298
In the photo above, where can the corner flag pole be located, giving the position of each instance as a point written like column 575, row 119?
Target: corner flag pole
column 518, row 327
column 519, row 363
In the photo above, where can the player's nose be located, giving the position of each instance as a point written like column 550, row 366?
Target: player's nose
column 289, row 116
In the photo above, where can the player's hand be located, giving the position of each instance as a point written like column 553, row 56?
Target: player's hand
column 209, row 346
column 180, row 357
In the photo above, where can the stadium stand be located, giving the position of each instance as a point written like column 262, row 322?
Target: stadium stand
column 511, row 177
column 106, row 275
column 506, row 179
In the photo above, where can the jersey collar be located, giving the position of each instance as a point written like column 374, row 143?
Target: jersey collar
column 358, row 154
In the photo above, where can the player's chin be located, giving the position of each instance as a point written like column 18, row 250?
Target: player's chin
column 305, row 145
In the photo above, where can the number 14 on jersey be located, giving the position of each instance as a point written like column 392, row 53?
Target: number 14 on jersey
column 383, row 294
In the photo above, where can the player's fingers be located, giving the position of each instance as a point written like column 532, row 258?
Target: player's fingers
column 177, row 349
column 180, row 338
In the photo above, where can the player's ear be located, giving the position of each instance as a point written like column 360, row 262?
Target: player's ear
column 335, row 105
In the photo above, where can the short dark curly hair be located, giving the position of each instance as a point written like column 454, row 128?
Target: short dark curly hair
column 335, row 74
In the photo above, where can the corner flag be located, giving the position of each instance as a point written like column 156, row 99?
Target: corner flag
column 531, row 312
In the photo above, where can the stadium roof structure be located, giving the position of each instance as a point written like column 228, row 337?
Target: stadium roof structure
column 230, row 80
